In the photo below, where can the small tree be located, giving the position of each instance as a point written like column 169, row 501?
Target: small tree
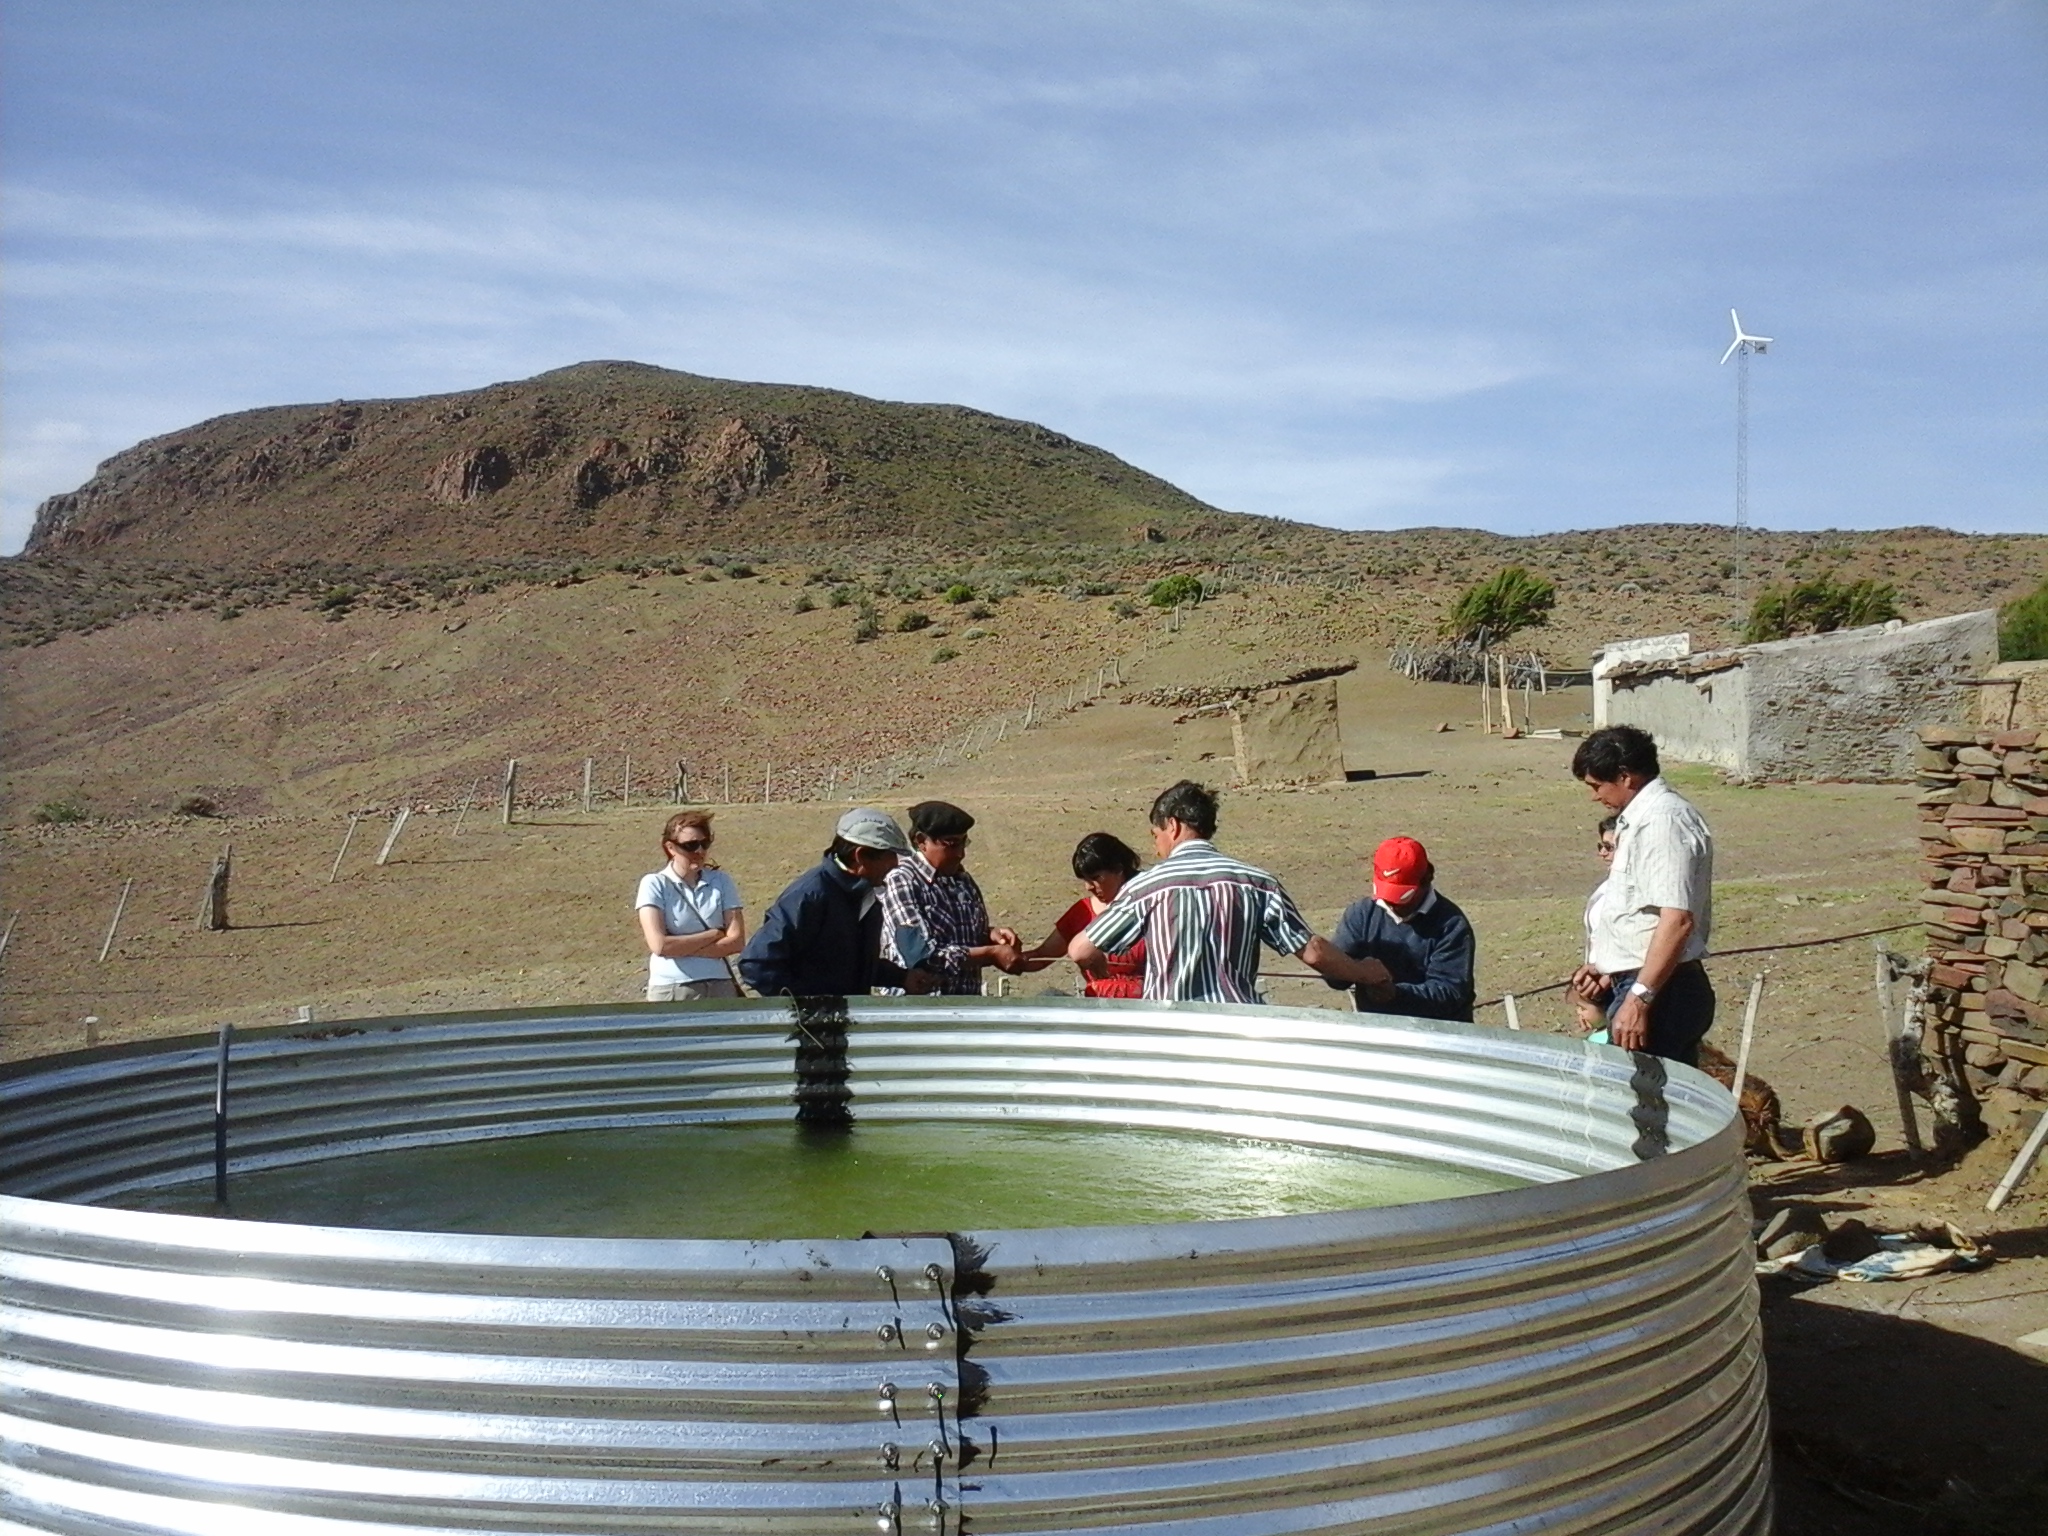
column 2023, row 627
column 1491, row 610
column 1172, row 591
column 1818, row 606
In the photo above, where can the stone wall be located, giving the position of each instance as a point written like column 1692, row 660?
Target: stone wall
column 1984, row 832
column 2019, row 698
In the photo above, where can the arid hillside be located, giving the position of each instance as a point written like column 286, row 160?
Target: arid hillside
column 603, row 458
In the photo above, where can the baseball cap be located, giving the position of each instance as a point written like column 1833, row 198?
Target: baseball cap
column 1400, row 868
column 866, row 828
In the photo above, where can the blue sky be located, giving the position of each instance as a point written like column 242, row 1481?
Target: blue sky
column 1373, row 264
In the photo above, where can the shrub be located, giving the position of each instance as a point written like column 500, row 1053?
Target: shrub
column 739, row 572
column 944, row 653
column 1491, row 610
column 868, row 625
column 976, row 633
column 1818, row 606
column 839, row 597
column 1093, row 589
column 2023, row 627
column 803, row 603
column 57, row 813
column 1172, row 591
column 959, row 592
column 336, row 599
column 981, row 611
column 1124, row 608
column 913, row 620
column 195, row 805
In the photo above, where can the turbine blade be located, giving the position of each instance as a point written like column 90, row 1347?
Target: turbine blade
column 1733, row 347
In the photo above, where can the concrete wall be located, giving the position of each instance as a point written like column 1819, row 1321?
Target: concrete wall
column 1616, row 652
column 1836, row 706
column 1702, row 719
column 1847, row 705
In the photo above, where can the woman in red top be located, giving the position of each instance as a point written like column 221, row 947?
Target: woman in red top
column 1102, row 863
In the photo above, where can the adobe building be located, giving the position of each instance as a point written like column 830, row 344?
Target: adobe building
column 1840, row 706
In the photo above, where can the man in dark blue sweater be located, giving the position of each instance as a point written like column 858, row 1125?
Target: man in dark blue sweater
column 823, row 935
column 1420, row 942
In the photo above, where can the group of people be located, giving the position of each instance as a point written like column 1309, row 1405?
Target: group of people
column 899, row 912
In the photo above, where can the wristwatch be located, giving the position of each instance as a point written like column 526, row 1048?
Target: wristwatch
column 1637, row 989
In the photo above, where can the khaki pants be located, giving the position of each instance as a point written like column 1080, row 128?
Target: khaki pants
column 691, row 991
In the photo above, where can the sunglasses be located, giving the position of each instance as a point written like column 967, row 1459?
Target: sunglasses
column 1606, row 847
column 694, row 845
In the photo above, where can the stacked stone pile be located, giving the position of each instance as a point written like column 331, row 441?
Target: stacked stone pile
column 1984, row 831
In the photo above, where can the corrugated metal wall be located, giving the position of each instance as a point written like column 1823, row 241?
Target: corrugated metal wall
column 1578, row 1355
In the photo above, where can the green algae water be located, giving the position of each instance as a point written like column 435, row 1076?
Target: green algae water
column 779, row 1181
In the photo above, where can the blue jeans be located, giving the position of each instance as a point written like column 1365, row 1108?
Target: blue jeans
column 1680, row 1014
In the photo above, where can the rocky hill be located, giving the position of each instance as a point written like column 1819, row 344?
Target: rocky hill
column 600, row 459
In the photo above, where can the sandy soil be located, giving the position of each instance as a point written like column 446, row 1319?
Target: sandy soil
column 1901, row 1408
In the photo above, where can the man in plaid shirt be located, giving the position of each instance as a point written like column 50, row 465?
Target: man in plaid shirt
column 931, row 893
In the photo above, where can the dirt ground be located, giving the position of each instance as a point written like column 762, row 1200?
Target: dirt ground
column 1900, row 1408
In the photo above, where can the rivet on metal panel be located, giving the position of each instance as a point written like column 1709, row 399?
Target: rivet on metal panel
column 935, row 1394
column 935, row 1510
column 890, row 1455
column 888, row 1333
column 933, row 1275
column 939, row 1450
column 885, row 1397
column 934, row 1335
column 889, row 1515
column 885, row 1274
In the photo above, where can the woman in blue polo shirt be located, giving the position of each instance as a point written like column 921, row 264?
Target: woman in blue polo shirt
column 691, row 917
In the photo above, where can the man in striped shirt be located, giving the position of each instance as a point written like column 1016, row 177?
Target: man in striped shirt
column 1203, row 915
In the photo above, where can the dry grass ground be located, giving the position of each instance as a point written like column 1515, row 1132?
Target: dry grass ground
column 1915, row 1382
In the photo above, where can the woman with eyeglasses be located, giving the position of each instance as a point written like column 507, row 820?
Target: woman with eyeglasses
column 691, row 917
column 1589, row 989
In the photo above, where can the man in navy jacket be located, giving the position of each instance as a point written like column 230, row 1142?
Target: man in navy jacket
column 823, row 935
column 1414, row 936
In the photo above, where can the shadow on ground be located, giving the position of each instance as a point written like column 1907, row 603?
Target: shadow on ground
column 1884, row 1426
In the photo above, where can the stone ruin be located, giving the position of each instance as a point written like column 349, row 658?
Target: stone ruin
column 1983, row 810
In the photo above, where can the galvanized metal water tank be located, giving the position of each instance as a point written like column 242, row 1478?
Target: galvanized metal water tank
column 1581, row 1354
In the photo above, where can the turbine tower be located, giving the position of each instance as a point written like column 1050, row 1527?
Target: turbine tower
column 1740, row 349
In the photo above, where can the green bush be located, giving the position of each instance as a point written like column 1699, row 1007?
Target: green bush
column 803, row 603
column 57, row 813
column 2023, row 627
column 739, row 572
column 959, row 592
column 1124, row 608
column 839, row 597
column 1489, row 611
column 1172, row 591
column 868, row 626
column 913, row 620
column 944, row 653
column 1818, row 606
column 981, row 611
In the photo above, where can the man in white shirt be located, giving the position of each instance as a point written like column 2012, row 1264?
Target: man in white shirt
column 1649, row 934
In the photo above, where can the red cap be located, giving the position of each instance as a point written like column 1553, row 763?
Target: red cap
column 1400, row 868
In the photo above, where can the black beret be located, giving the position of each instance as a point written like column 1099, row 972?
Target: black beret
column 935, row 818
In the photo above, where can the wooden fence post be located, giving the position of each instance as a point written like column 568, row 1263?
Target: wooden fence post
column 4, row 937
column 474, row 785
column 626, row 794
column 587, row 766
column 510, row 790
column 353, row 818
column 213, row 910
column 725, row 771
column 391, row 838
column 119, row 907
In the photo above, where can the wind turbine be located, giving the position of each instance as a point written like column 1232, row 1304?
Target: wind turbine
column 1740, row 349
